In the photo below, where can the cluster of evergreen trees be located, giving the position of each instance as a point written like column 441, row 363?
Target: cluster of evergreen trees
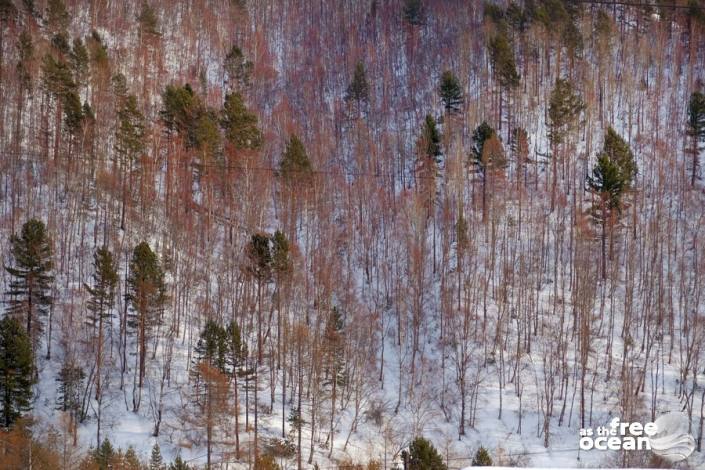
column 106, row 457
column 422, row 455
column 29, row 301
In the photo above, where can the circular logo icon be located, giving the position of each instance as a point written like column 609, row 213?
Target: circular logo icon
column 672, row 440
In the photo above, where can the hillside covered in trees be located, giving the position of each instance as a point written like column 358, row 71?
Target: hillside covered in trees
column 369, row 234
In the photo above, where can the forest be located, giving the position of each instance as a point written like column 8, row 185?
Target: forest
column 355, row 234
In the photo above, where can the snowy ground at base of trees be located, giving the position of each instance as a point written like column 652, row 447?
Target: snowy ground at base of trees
column 126, row 429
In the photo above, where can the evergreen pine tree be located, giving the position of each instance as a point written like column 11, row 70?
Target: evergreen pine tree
column 572, row 39
column 31, row 276
column 184, row 112
column 68, row 401
column 57, row 79
column 148, row 21
column 98, row 53
column 146, row 293
column 235, row 348
column 517, row 17
column 335, row 348
column 212, row 346
column 430, row 139
column 79, row 62
column 607, row 182
column 423, row 456
column 259, row 255
column 696, row 130
column 295, row 419
column 502, row 60
column 129, row 144
column 239, row 124
column 57, row 18
column 482, row 458
column 564, row 109
column 73, row 113
column 483, row 132
column 131, row 461
column 618, row 151
column 359, row 90
column 487, row 156
column 16, row 369
column 102, row 292
column 129, row 137
column 25, row 54
column 100, row 304
column 57, row 75
column 295, row 164
column 70, row 379
column 206, row 136
column 451, row 92
column 429, row 152
column 695, row 12
column 156, row 462
column 238, row 69
column 259, row 267
column 178, row 104
column 179, row 464
column 414, row 12
column 281, row 259
column 104, row 455
column 494, row 13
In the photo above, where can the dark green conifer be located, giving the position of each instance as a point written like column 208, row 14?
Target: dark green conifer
column 237, row 69
column 483, row 132
column 212, row 346
column 611, row 177
column 146, row 294
column 430, row 138
column 239, row 124
column 696, row 130
column 156, row 462
column 79, row 62
column 29, row 293
column 295, row 164
column 16, row 370
column 482, row 458
column 564, row 109
column 25, row 54
column 179, row 464
column 103, row 456
column 359, row 90
column 129, row 142
column 502, row 60
column 70, row 379
column 451, row 92
column 57, row 18
column 423, row 456
column 414, row 12
column 148, row 21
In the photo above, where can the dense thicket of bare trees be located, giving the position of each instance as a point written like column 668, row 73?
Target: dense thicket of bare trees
column 388, row 248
